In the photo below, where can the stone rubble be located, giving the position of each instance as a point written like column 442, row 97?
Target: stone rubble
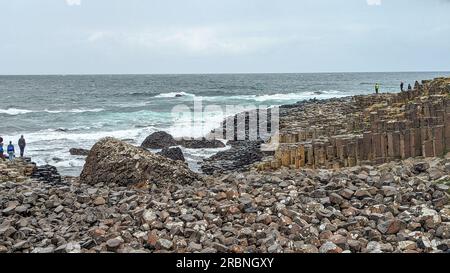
column 387, row 208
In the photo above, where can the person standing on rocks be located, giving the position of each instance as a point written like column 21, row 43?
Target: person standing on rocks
column 2, row 157
column 417, row 85
column 10, row 151
column 377, row 88
column 402, row 84
column 409, row 87
column 22, row 145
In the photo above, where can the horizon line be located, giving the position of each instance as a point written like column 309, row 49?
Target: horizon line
column 221, row 73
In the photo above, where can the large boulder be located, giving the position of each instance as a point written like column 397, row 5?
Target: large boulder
column 159, row 140
column 172, row 153
column 112, row 161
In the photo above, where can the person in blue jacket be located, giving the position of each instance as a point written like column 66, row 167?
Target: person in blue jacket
column 2, row 157
column 10, row 151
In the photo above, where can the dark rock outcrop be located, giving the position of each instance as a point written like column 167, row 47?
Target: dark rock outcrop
column 172, row 153
column 159, row 140
column 239, row 157
column 112, row 161
column 47, row 173
column 79, row 151
column 201, row 143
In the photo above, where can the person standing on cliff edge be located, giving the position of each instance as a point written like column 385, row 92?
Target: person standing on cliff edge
column 22, row 145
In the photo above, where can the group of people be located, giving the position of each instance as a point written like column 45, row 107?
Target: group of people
column 402, row 87
column 10, row 149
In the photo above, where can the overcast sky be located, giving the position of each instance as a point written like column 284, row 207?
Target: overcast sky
column 223, row 36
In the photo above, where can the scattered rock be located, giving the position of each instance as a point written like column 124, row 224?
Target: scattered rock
column 159, row 140
column 391, row 226
column 79, row 151
column 173, row 153
column 201, row 143
column 330, row 247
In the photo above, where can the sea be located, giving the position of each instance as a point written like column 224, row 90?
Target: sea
column 59, row 112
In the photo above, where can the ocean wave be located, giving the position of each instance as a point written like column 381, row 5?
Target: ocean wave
column 174, row 95
column 297, row 96
column 95, row 110
column 281, row 97
column 14, row 111
column 62, row 134
column 135, row 94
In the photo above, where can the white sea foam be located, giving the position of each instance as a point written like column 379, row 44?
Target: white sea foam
column 279, row 97
column 14, row 111
column 299, row 96
column 95, row 110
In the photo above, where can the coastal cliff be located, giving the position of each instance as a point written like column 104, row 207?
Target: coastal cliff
column 371, row 129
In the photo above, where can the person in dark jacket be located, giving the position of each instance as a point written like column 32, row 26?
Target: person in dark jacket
column 409, row 87
column 417, row 85
column 402, row 84
column 22, row 145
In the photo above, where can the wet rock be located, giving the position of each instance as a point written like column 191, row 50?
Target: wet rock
column 420, row 167
column 47, row 173
column 159, row 140
column 79, row 152
column 201, row 143
column 239, row 157
column 172, row 153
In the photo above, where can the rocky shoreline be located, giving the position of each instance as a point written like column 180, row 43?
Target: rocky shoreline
column 131, row 200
